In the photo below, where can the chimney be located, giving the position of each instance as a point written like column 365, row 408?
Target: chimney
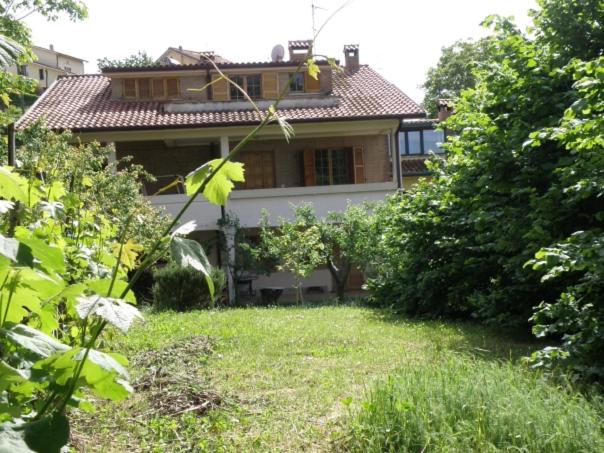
column 445, row 109
column 351, row 57
column 52, row 47
column 299, row 50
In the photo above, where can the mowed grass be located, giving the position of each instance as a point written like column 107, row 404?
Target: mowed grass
column 289, row 378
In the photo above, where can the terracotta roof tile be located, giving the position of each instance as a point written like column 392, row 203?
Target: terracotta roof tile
column 84, row 103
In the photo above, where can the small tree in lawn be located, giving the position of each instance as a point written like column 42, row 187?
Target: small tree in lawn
column 340, row 241
column 296, row 245
column 346, row 238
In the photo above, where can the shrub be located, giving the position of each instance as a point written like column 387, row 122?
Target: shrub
column 467, row 405
column 180, row 289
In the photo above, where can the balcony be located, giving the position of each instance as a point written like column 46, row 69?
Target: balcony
column 247, row 205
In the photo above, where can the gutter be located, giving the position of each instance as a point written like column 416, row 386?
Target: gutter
column 397, row 146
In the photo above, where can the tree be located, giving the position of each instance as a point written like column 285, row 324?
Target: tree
column 295, row 245
column 509, row 231
column 137, row 60
column 341, row 241
column 454, row 72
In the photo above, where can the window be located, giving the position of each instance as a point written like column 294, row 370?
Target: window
column 333, row 166
column 41, row 74
column 297, row 83
column 424, row 141
column 251, row 84
column 254, row 86
column 22, row 70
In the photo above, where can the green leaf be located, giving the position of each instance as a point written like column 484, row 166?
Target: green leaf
column 190, row 253
column 47, row 435
column 101, row 286
column 11, row 185
column 34, row 341
column 23, row 302
column 313, row 69
column 115, row 311
column 16, row 251
column 219, row 187
column 50, row 257
column 10, row 375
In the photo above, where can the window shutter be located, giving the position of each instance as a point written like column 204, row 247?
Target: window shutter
column 220, row 89
column 309, row 168
column 270, row 85
column 268, row 167
column 359, row 165
column 172, row 88
column 144, row 88
column 312, row 85
column 158, row 88
column 129, row 88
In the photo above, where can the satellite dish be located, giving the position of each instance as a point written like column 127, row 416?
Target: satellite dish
column 277, row 53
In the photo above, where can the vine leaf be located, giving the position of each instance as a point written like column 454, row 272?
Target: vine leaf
column 34, row 341
column 47, row 435
column 11, row 185
column 51, row 258
column 16, row 251
column 115, row 311
column 220, row 186
column 189, row 253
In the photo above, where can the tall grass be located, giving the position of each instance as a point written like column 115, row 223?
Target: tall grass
column 470, row 405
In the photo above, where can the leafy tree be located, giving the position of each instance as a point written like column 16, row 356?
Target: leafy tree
column 522, row 184
column 340, row 242
column 295, row 245
column 454, row 72
column 137, row 60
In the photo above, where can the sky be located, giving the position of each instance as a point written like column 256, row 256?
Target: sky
column 401, row 39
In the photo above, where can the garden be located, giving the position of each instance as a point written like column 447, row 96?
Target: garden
column 482, row 327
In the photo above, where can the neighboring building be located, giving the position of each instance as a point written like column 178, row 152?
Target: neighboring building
column 180, row 56
column 345, row 148
column 49, row 65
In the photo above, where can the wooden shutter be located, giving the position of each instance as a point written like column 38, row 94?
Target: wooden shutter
column 312, row 85
column 129, row 88
column 144, row 88
column 259, row 169
column 309, row 168
column 359, row 164
column 220, row 89
column 270, row 85
column 172, row 88
column 158, row 88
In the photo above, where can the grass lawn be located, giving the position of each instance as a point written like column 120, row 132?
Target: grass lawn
column 283, row 379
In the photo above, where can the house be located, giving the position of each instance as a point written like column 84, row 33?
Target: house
column 180, row 56
column 48, row 66
column 346, row 145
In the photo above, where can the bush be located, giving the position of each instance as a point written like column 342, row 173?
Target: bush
column 467, row 405
column 180, row 289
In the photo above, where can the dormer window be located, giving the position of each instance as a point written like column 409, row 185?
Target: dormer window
column 296, row 84
column 147, row 88
column 251, row 84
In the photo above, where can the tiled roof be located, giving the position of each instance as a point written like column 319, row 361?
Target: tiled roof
column 413, row 166
column 83, row 103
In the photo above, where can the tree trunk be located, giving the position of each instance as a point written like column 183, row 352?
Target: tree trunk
column 340, row 277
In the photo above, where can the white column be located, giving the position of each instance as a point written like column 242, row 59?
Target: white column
column 228, row 234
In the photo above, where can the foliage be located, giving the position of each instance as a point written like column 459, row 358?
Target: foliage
column 85, row 170
column 468, row 405
column 180, row 289
column 12, row 26
column 137, row 60
column 340, row 241
column 295, row 245
column 454, row 72
column 523, row 174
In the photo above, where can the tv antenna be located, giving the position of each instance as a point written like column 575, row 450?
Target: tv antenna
column 314, row 8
